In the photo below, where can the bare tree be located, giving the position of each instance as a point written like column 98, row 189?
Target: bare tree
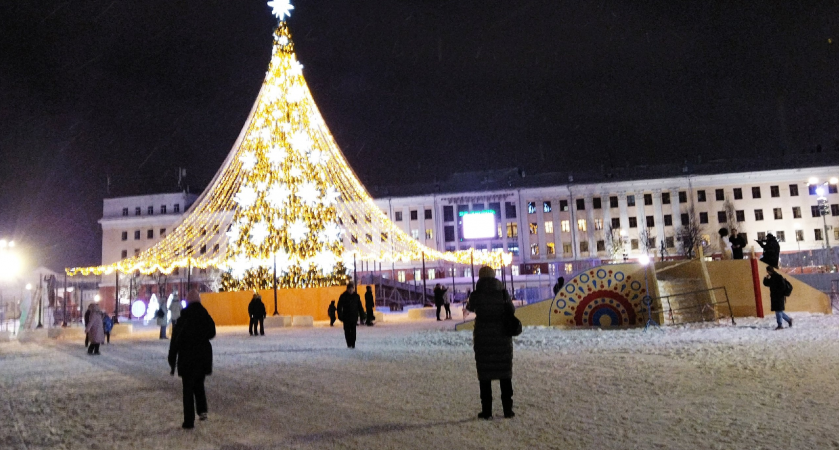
column 647, row 240
column 615, row 243
column 690, row 234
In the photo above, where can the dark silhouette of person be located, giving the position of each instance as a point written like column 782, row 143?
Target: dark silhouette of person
column 256, row 310
column 190, row 351
column 369, row 307
column 738, row 244
column 493, row 348
column 776, row 283
column 331, row 313
column 558, row 285
column 770, row 247
column 349, row 311
column 439, row 292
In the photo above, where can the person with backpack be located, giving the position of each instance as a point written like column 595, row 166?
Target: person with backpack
column 107, row 326
column 780, row 288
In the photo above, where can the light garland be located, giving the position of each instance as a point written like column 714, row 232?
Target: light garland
column 286, row 193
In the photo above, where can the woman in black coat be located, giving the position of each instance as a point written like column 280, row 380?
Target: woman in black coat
column 776, row 283
column 493, row 348
column 191, row 351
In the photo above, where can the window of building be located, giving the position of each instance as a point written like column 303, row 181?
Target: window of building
column 547, row 206
column 684, row 218
column 565, row 226
column 413, row 214
column 401, row 276
column 834, row 209
column 125, row 235
column 163, row 209
column 794, row 190
column 761, row 235
column 512, row 230
column 737, row 193
column 683, row 196
column 567, row 248
column 797, row 212
column 176, row 208
column 150, row 210
column 582, row 224
column 510, row 210
column 430, row 274
column 774, row 191
column 721, row 216
column 669, row 242
column 666, row 198
column 631, row 200
column 599, row 224
column 634, row 244
column 615, row 223
column 815, row 211
column 600, row 246
column 533, row 228
column 354, row 239
column 383, row 237
column 203, row 249
column 719, row 195
column 415, row 234
column 150, row 234
column 584, row 247
column 759, row 214
column 427, row 214
column 535, row 249
column 756, row 192
column 580, row 204
column 704, row 217
column 780, row 236
column 124, row 254
column 818, row 234
column 397, row 216
column 136, row 252
column 800, row 235
column 648, row 199
column 633, row 223
column 429, row 233
column 137, row 211
column 136, row 235
column 549, row 227
column 777, row 213
column 450, row 248
column 564, row 205
column 532, row 207
column 613, row 201
column 369, row 237
column 125, row 211
column 649, row 222
column 513, row 247
column 478, row 206
column 449, row 213
column 596, row 202
column 668, row 219
column 549, row 248
column 701, row 196
column 739, row 215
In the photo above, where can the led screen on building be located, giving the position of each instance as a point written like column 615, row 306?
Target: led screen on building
column 479, row 224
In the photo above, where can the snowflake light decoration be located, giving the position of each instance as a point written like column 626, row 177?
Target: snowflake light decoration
column 246, row 197
column 277, row 154
column 330, row 234
column 298, row 231
column 325, row 261
column 296, row 68
column 281, row 8
column 301, row 142
column 317, row 157
column 278, row 195
column 249, row 160
column 331, row 196
column 295, row 172
column 294, row 94
column 259, row 231
column 309, row 193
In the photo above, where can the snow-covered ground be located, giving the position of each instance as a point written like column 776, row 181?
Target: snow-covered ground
column 412, row 385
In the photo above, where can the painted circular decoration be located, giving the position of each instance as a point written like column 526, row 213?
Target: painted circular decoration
column 603, row 297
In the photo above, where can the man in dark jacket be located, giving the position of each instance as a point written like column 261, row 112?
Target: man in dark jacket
column 738, row 244
column 191, row 352
column 331, row 312
column 87, row 319
column 493, row 348
column 558, row 285
column 770, row 248
column 256, row 310
column 439, row 292
column 349, row 310
column 369, row 307
column 776, row 283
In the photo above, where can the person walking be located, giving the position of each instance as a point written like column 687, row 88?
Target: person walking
column 438, row 291
column 107, row 326
column 95, row 330
column 369, row 307
column 160, row 319
column 446, row 303
column 87, row 321
column 778, row 289
column 493, row 348
column 190, row 351
column 738, row 243
column 331, row 313
column 256, row 310
column 349, row 310
column 558, row 285
column 174, row 311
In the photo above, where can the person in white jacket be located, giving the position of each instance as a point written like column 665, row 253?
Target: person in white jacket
column 174, row 310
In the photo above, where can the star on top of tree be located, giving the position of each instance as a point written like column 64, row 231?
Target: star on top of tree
column 281, row 8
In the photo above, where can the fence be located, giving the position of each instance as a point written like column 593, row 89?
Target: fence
column 696, row 306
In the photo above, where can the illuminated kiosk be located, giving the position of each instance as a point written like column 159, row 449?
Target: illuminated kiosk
column 285, row 210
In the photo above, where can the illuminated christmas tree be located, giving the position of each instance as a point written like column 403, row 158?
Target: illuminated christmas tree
column 284, row 198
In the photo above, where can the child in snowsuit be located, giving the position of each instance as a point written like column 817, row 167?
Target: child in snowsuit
column 331, row 313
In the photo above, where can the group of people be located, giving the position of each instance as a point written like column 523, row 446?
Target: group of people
column 161, row 316
column 780, row 288
column 442, row 300
column 769, row 247
column 98, row 326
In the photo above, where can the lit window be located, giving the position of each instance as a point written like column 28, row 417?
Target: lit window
column 549, row 248
column 599, row 224
column 535, row 250
column 549, row 228
column 533, row 228
column 428, row 233
column 582, row 224
column 512, row 230
column 514, row 269
column 513, row 248
column 401, row 276
column 564, row 226
column 415, row 234
column 547, row 207
column 532, row 207
column 568, row 267
column 430, row 274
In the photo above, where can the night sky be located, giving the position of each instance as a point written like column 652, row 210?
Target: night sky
column 412, row 90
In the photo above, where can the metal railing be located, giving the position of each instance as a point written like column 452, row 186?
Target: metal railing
column 695, row 306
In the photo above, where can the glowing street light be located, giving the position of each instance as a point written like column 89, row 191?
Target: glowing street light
column 644, row 260
column 28, row 286
column 97, row 298
column 813, row 180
